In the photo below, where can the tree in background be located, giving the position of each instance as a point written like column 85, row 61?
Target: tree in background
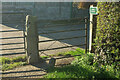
column 82, row 5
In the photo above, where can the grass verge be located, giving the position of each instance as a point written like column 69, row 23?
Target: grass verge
column 13, row 65
column 83, row 67
column 10, row 63
column 78, row 51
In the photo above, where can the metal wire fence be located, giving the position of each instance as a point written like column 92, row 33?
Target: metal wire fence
column 42, row 32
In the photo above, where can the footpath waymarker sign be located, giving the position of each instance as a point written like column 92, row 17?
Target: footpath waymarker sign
column 93, row 13
column 93, row 10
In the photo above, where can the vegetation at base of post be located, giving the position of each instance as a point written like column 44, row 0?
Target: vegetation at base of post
column 6, row 60
column 83, row 67
column 44, row 57
column 107, row 42
column 10, row 63
column 13, row 65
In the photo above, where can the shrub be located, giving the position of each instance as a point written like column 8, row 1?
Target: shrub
column 107, row 42
column 84, row 59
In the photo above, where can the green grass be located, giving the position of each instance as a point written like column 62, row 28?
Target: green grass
column 6, row 60
column 44, row 57
column 83, row 67
column 13, row 65
column 78, row 51
column 79, row 71
column 10, row 63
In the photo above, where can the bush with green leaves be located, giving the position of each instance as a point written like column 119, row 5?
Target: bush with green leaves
column 84, row 59
column 107, row 42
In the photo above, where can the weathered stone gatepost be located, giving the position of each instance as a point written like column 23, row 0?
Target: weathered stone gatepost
column 31, row 40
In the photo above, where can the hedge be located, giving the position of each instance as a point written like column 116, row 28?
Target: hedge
column 107, row 41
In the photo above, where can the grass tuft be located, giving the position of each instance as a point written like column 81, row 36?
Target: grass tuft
column 10, row 63
column 11, row 66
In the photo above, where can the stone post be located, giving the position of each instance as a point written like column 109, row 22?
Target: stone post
column 31, row 40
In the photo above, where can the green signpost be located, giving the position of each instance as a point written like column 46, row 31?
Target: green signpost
column 93, row 10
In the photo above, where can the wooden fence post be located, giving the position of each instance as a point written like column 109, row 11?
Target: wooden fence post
column 31, row 40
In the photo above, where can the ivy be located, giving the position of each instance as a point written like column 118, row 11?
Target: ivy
column 107, row 42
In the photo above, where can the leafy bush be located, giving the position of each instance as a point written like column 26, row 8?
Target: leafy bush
column 107, row 40
column 84, row 59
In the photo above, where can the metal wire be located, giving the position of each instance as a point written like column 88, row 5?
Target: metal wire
column 42, row 30
column 54, row 42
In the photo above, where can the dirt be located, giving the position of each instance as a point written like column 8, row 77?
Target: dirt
column 34, row 71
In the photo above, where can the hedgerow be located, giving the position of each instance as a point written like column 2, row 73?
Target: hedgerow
column 107, row 42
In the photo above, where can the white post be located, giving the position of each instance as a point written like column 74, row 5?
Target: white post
column 91, row 29
column 93, row 25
